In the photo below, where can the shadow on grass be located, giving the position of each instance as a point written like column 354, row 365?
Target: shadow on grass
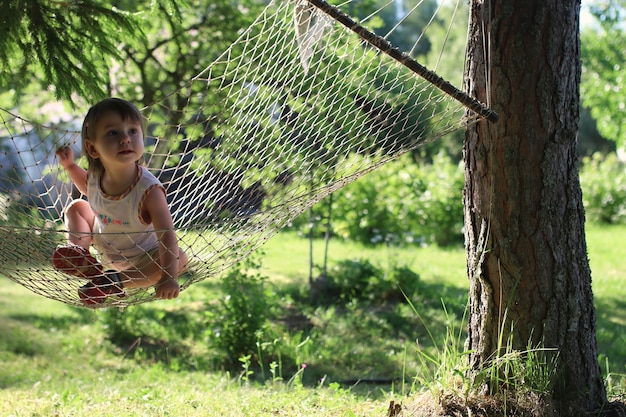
column 610, row 323
column 23, row 349
column 372, row 345
column 51, row 322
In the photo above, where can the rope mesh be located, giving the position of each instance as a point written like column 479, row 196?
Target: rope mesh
column 297, row 108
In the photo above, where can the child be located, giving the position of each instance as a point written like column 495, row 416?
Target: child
column 125, row 217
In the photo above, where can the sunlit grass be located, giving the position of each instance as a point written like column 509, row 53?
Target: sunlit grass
column 607, row 253
column 151, row 391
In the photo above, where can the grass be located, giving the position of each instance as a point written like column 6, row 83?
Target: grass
column 607, row 251
column 56, row 360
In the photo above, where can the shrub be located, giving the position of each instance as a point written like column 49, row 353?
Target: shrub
column 360, row 280
column 400, row 203
column 440, row 205
column 603, row 181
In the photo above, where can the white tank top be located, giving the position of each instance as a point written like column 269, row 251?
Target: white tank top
column 120, row 234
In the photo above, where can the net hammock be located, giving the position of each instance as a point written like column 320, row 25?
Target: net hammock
column 308, row 99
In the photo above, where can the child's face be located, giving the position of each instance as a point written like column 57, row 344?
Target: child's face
column 116, row 141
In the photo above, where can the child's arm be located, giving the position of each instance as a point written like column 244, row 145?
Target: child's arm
column 77, row 174
column 156, row 205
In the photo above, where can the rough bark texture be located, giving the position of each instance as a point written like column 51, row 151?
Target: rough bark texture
column 527, row 256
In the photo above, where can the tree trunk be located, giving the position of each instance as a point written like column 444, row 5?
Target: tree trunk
column 530, row 282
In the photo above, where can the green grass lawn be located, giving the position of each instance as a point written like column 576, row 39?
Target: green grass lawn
column 56, row 360
column 607, row 253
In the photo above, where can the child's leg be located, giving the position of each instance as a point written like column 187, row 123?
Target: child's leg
column 148, row 272
column 79, row 220
column 75, row 259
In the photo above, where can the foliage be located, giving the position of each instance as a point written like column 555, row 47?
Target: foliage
column 603, row 86
column 14, row 212
column 66, row 41
column 231, row 327
column 406, row 37
column 441, row 204
column 450, row 34
column 177, row 47
column 610, row 13
column 398, row 204
column 140, row 51
column 603, row 180
column 402, row 203
column 518, row 382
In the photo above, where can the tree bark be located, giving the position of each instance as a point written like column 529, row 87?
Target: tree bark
column 530, row 281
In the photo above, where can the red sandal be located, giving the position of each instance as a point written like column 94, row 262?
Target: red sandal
column 76, row 260
column 101, row 287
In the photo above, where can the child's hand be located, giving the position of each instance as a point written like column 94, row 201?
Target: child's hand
column 167, row 288
column 65, row 155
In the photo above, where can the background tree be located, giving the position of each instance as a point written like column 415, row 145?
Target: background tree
column 603, row 87
column 176, row 47
column 129, row 48
column 68, row 42
column 85, row 51
column 530, row 282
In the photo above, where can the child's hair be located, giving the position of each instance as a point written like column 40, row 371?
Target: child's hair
column 125, row 109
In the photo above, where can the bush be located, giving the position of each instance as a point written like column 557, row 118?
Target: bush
column 603, row 181
column 400, row 203
column 440, row 206
column 360, row 280
column 231, row 327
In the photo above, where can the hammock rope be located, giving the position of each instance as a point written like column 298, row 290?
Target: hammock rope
column 305, row 102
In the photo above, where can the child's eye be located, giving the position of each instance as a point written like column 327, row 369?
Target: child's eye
column 112, row 133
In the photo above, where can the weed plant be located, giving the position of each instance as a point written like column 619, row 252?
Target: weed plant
column 235, row 324
column 518, row 383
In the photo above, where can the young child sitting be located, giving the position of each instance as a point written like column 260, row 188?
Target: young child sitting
column 125, row 217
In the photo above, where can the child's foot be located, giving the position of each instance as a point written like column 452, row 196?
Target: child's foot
column 76, row 260
column 101, row 287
